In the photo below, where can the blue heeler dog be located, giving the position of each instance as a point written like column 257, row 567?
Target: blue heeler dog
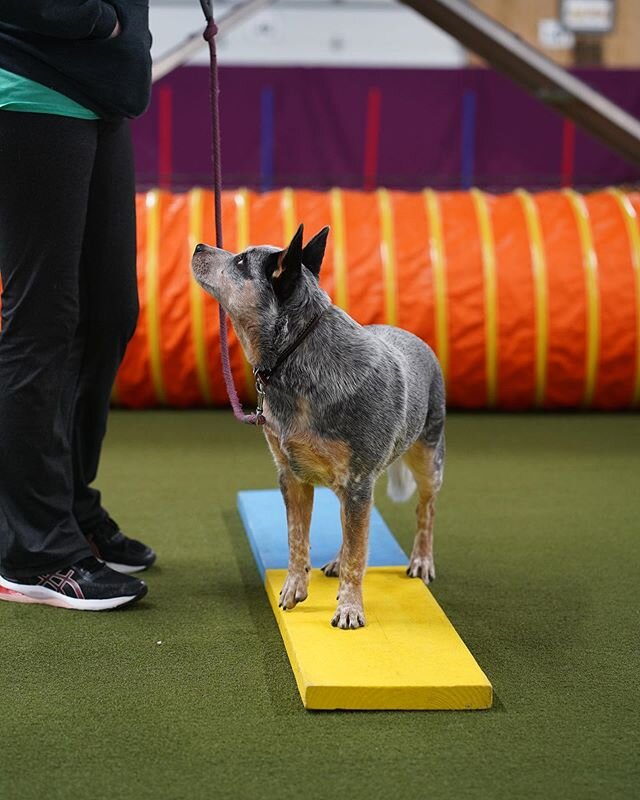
column 343, row 403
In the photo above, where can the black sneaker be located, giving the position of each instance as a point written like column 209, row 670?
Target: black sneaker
column 117, row 551
column 88, row 585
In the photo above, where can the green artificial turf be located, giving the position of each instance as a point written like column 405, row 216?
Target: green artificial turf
column 190, row 694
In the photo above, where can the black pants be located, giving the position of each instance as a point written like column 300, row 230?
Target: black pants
column 69, row 307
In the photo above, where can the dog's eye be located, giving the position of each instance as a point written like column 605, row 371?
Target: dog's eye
column 242, row 264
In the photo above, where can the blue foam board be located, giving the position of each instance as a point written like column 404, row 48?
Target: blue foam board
column 265, row 521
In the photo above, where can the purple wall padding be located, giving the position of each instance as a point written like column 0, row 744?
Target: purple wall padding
column 320, row 118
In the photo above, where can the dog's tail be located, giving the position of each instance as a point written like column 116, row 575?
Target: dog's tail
column 400, row 482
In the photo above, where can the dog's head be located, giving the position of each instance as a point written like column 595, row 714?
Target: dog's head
column 261, row 285
column 260, row 278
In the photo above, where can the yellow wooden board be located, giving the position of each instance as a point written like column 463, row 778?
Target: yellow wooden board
column 408, row 656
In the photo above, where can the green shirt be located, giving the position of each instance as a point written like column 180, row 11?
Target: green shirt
column 22, row 94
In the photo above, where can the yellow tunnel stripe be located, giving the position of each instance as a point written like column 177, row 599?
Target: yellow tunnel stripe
column 242, row 201
column 196, row 235
column 153, row 312
column 540, row 291
column 631, row 222
column 339, row 248
column 289, row 225
column 590, row 264
column 242, row 219
column 387, row 252
column 490, row 294
column 439, row 266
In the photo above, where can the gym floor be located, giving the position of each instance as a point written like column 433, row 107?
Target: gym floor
column 190, row 694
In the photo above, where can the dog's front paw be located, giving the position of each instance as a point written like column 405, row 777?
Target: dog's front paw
column 294, row 591
column 348, row 615
column 422, row 567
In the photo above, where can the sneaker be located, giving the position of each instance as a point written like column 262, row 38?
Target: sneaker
column 117, row 551
column 87, row 585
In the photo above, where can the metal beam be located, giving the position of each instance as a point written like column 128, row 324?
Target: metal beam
column 186, row 49
column 535, row 72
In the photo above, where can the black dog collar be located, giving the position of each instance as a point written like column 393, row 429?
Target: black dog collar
column 263, row 376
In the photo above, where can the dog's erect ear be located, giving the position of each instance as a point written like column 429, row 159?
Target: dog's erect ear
column 313, row 252
column 287, row 267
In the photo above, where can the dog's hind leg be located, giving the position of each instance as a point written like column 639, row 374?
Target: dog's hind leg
column 356, row 513
column 332, row 568
column 298, row 499
column 425, row 462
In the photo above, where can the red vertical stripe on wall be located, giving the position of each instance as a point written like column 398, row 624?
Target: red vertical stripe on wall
column 568, row 152
column 372, row 139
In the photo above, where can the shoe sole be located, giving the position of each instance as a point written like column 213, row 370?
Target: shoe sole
column 14, row 597
column 26, row 593
column 126, row 569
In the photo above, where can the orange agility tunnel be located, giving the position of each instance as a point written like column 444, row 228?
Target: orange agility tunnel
column 529, row 300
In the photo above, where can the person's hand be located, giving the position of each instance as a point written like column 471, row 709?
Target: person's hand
column 116, row 31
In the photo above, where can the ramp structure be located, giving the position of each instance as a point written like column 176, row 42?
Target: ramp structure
column 535, row 72
column 408, row 656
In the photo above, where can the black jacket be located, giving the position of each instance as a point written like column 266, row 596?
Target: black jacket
column 65, row 45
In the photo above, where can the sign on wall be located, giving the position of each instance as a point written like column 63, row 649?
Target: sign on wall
column 588, row 16
column 552, row 35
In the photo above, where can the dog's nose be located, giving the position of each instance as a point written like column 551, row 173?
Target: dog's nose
column 200, row 248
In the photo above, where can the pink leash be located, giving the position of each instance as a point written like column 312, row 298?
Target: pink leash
column 209, row 36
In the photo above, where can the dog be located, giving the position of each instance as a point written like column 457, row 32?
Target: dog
column 342, row 403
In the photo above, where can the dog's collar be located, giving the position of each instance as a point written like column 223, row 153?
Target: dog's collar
column 264, row 375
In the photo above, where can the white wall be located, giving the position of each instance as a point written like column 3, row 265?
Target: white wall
column 308, row 32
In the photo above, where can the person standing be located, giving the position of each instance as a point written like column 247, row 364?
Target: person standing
column 71, row 74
